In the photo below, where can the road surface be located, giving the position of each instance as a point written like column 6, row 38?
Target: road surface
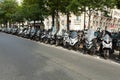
column 22, row 59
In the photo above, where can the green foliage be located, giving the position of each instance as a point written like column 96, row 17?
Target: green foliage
column 39, row 9
column 118, row 4
column 7, row 10
column 34, row 9
column 19, row 15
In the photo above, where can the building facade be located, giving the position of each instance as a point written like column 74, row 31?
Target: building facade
column 78, row 22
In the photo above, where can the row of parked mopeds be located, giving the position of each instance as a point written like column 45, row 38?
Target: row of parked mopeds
column 88, row 41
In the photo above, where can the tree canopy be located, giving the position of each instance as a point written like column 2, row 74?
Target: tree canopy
column 33, row 10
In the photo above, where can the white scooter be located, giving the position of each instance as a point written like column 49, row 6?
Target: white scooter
column 106, row 46
column 72, row 41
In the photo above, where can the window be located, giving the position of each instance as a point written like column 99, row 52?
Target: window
column 77, row 18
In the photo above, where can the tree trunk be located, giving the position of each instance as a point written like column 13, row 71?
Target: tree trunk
column 18, row 24
column 68, row 23
column 84, row 17
column 57, row 22
column 89, row 21
column 22, row 24
column 53, row 19
column 84, row 20
column 34, row 23
column 10, row 24
column 42, row 25
column 6, row 24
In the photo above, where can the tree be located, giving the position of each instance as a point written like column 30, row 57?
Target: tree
column 53, row 7
column 19, row 15
column 34, row 10
column 66, row 9
column 60, row 6
column 118, row 4
column 91, row 6
column 7, row 10
column 74, row 6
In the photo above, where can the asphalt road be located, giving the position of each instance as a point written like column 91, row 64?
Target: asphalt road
column 22, row 59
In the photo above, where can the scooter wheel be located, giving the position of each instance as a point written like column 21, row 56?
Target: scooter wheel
column 51, row 42
column 93, row 52
column 84, row 52
column 64, row 44
column 46, row 41
column 57, row 43
column 106, row 54
column 69, row 47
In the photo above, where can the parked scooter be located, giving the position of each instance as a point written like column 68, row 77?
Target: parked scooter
column 116, row 41
column 24, row 31
column 106, row 46
column 20, row 31
column 14, row 30
column 9, row 30
column 32, row 33
column 27, row 34
column 53, row 36
column 59, row 37
column 37, row 36
column 71, row 41
column 81, row 37
column 90, row 42
column 48, row 36
column 65, row 38
column 43, row 36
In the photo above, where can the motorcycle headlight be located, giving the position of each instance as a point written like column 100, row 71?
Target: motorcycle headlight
column 107, row 44
column 86, row 41
column 59, row 37
column 90, row 42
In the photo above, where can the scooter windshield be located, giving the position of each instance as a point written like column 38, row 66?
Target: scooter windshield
column 107, row 38
column 73, row 34
column 33, row 30
column 90, row 35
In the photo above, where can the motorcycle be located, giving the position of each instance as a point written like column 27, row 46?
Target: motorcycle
column 81, row 37
column 8, row 30
column 52, row 36
column 24, row 32
column 20, row 31
column 14, row 31
column 37, row 36
column 72, row 42
column 48, row 36
column 43, row 36
column 106, row 46
column 90, row 43
column 65, row 39
column 116, row 42
column 27, row 34
column 59, row 38
column 32, row 33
